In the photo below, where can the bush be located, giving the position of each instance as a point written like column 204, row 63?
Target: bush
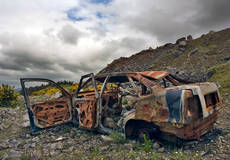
column 8, row 97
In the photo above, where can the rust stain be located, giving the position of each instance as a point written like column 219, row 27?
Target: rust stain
column 50, row 113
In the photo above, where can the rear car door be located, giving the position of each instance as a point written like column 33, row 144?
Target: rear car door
column 47, row 103
column 86, row 102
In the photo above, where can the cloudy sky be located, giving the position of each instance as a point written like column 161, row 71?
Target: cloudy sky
column 64, row 39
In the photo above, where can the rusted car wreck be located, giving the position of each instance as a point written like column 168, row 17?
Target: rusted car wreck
column 133, row 103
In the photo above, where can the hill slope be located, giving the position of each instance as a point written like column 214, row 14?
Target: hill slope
column 191, row 59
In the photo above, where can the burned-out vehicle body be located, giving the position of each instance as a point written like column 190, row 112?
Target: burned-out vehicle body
column 133, row 103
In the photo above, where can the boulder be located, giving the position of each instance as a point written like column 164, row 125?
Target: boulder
column 169, row 45
column 189, row 37
column 150, row 48
column 194, row 51
column 177, row 54
column 180, row 39
column 182, row 44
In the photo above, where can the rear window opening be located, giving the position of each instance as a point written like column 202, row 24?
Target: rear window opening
column 211, row 99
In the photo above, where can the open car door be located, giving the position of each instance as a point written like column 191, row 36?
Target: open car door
column 86, row 102
column 47, row 103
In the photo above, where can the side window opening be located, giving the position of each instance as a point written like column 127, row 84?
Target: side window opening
column 42, row 91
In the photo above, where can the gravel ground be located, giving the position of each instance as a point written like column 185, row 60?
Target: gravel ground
column 66, row 142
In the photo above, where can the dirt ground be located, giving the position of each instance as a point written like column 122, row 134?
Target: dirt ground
column 67, row 142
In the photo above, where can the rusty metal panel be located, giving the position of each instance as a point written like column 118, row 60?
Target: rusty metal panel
column 152, row 108
column 155, row 74
column 87, row 113
column 51, row 113
column 142, row 79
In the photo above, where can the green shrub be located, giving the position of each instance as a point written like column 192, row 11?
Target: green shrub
column 8, row 97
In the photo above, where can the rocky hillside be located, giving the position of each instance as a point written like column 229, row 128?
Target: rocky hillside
column 191, row 59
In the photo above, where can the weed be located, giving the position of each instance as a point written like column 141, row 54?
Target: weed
column 118, row 138
column 95, row 152
column 146, row 146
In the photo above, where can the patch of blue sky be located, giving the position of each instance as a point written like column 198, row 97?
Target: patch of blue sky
column 100, row 15
column 100, row 1
column 72, row 15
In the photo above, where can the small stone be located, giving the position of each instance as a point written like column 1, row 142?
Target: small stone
column 35, row 139
column 52, row 153
column 27, row 136
column 36, row 154
column 12, row 155
column 70, row 149
column 104, row 148
column 203, row 153
column 161, row 150
column 156, row 145
column 32, row 145
column 176, row 54
column 59, row 146
column 26, row 122
column 13, row 143
column 53, row 146
column 106, row 138
column 182, row 49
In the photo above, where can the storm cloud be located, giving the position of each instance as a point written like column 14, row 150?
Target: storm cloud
column 72, row 38
column 212, row 13
column 69, row 34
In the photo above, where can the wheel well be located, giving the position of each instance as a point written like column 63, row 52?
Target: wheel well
column 133, row 124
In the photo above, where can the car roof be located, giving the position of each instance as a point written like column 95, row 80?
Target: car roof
column 122, row 76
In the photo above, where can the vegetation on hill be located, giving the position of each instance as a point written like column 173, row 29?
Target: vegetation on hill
column 221, row 74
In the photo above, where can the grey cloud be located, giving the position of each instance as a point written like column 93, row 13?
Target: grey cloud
column 15, row 59
column 158, row 23
column 180, row 19
column 212, row 13
column 69, row 34
column 132, row 43
column 22, row 58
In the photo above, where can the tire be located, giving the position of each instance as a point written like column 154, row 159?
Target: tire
column 142, row 133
